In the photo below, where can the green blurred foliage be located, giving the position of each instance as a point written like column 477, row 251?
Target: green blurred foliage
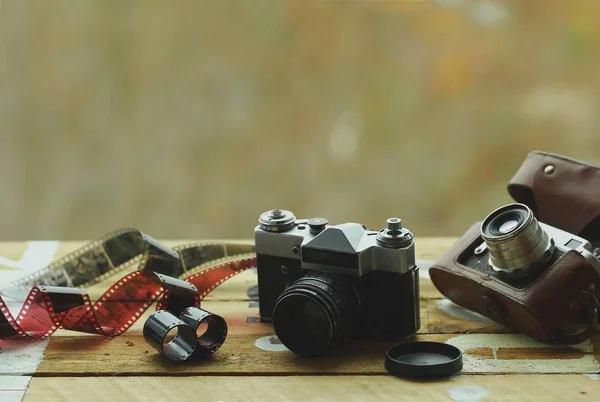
column 187, row 119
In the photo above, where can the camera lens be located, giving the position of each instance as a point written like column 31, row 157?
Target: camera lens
column 313, row 312
column 515, row 240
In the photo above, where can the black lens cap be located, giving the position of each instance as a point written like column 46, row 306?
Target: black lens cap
column 423, row 360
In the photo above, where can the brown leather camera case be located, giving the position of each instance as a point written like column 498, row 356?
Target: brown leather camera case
column 562, row 192
column 565, row 194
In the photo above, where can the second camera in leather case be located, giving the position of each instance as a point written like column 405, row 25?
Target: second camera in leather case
column 536, row 276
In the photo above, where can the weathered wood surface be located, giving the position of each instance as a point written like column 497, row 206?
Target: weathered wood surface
column 318, row 388
column 482, row 354
column 498, row 364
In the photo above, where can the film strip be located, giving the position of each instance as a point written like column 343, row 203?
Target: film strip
column 176, row 278
column 122, row 249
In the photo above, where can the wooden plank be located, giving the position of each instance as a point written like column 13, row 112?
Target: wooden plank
column 444, row 317
column 432, row 248
column 318, row 388
column 12, row 250
column 483, row 354
column 437, row 317
column 488, row 349
column 12, row 388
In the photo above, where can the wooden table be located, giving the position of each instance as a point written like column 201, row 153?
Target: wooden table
column 498, row 365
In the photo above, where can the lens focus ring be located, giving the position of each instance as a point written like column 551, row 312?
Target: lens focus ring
column 516, row 242
column 313, row 312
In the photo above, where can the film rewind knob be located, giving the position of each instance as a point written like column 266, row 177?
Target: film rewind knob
column 394, row 236
column 394, row 224
column 277, row 220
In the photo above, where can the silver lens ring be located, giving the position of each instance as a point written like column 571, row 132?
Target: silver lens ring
column 516, row 242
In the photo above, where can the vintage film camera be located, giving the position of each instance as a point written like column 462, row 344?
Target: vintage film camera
column 319, row 283
column 527, row 275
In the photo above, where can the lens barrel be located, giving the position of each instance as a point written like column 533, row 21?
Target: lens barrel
column 517, row 244
column 315, row 311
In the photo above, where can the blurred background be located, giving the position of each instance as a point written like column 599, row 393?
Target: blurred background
column 188, row 119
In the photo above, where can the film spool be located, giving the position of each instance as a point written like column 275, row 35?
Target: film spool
column 215, row 334
column 158, row 326
column 186, row 345
column 201, row 266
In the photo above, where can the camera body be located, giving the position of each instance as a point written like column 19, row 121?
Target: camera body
column 373, row 271
column 527, row 275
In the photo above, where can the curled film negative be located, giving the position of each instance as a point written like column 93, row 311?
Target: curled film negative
column 187, row 344
column 201, row 267
column 122, row 249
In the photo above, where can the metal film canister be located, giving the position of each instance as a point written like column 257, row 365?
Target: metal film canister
column 215, row 334
column 156, row 330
